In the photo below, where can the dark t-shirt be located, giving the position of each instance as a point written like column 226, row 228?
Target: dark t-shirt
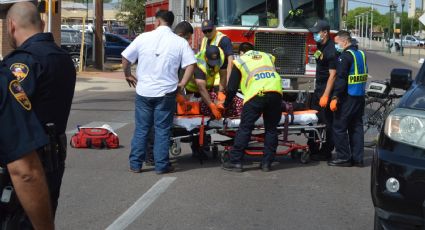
column 227, row 47
column 20, row 131
column 345, row 61
column 198, row 74
column 325, row 62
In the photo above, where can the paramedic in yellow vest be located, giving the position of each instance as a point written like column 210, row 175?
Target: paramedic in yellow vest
column 254, row 72
column 216, row 38
column 202, row 83
column 348, row 102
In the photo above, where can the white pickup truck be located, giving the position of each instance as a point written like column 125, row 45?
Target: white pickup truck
column 408, row 41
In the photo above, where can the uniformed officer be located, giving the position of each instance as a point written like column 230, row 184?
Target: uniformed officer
column 325, row 77
column 261, row 86
column 348, row 102
column 20, row 135
column 217, row 38
column 48, row 76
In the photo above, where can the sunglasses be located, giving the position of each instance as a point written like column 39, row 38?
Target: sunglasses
column 207, row 31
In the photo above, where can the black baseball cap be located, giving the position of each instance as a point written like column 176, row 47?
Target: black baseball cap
column 320, row 25
column 207, row 25
column 212, row 53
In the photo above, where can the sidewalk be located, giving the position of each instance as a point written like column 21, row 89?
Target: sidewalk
column 97, row 81
column 411, row 56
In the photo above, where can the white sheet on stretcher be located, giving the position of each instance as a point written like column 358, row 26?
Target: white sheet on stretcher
column 191, row 122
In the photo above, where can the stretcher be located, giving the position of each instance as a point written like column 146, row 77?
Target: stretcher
column 296, row 123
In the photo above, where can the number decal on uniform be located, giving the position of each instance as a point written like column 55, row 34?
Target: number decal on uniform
column 263, row 75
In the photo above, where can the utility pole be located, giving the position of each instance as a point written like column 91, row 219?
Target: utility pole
column 355, row 24
column 367, row 27
column 98, row 35
column 371, row 25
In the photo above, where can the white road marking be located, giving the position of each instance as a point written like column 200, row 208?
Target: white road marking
column 115, row 125
column 141, row 204
column 369, row 76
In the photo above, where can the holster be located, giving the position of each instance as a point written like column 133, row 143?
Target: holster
column 53, row 155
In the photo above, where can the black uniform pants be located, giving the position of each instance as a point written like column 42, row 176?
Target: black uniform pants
column 270, row 106
column 348, row 129
column 325, row 116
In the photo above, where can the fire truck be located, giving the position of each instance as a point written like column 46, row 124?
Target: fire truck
column 278, row 27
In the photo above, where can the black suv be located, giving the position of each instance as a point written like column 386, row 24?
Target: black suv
column 71, row 42
column 398, row 167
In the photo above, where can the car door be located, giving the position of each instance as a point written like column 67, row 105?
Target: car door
column 115, row 45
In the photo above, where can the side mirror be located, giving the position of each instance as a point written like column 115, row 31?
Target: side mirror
column 401, row 78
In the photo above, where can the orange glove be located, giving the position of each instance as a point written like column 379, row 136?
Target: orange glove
column 220, row 107
column 215, row 111
column 333, row 105
column 221, row 96
column 323, row 101
column 180, row 99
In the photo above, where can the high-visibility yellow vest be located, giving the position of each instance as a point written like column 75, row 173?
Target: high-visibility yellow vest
column 209, row 72
column 357, row 77
column 258, row 74
column 214, row 41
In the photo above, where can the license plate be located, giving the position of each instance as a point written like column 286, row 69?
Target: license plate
column 286, row 83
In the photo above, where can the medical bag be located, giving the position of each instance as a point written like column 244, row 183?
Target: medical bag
column 97, row 137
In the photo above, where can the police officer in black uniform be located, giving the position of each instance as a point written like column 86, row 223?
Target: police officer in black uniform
column 348, row 102
column 325, row 78
column 48, row 76
column 20, row 135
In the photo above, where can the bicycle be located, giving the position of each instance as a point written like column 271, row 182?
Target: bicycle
column 380, row 99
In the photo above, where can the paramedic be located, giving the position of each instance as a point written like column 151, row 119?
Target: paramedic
column 160, row 53
column 47, row 74
column 216, row 38
column 20, row 135
column 325, row 78
column 348, row 101
column 262, row 89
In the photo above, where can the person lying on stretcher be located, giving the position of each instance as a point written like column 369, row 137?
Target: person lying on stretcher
column 202, row 83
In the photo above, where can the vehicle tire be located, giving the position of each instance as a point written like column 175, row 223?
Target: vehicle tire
column 377, row 223
column 397, row 47
column 76, row 60
column 373, row 119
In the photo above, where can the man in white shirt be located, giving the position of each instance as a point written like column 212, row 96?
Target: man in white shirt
column 160, row 53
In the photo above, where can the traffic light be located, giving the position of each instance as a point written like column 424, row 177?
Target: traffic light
column 43, row 6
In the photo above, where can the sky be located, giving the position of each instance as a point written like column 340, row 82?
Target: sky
column 381, row 9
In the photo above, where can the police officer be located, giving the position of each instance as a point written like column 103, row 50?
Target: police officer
column 20, row 135
column 348, row 101
column 216, row 38
column 48, row 76
column 325, row 77
column 261, row 86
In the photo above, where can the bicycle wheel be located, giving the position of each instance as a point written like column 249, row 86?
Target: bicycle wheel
column 373, row 119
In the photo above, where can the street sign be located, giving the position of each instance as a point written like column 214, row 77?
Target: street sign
column 422, row 19
column 397, row 20
column 411, row 9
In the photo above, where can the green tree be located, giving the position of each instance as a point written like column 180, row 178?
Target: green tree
column 379, row 21
column 132, row 13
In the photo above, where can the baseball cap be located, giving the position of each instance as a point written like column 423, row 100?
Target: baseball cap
column 319, row 26
column 207, row 25
column 212, row 54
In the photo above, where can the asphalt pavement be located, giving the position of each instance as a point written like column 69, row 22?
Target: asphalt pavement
column 100, row 193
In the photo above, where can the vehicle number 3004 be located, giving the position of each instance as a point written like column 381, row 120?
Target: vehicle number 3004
column 263, row 75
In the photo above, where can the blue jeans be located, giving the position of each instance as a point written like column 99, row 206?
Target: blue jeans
column 157, row 111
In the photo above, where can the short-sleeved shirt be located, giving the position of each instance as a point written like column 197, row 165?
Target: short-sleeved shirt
column 48, row 76
column 344, row 63
column 325, row 62
column 227, row 47
column 160, row 53
column 20, row 130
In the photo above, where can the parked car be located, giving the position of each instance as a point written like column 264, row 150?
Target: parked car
column 124, row 32
column 398, row 165
column 71, row 42
column 408, row 41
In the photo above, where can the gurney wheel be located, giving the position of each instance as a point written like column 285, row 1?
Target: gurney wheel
column 215, row 151
column 174, row 149
column 225, row 156
column 305, row 157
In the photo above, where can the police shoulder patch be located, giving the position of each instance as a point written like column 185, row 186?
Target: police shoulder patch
column 19, row 70
column 18, row 92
